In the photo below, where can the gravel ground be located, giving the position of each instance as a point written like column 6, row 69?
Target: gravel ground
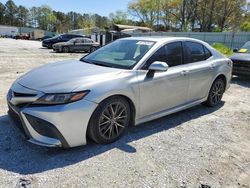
column 199, row 147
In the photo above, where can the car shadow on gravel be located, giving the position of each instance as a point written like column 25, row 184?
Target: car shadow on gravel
column 242, row 81
column 17, row 155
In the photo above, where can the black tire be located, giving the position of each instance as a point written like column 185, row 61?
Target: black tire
column 65, row 49
column 103, row 130
column 49, row 46
column 216, row 93
column 92, row 49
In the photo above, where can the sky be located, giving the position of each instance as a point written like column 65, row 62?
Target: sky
column 101, row 7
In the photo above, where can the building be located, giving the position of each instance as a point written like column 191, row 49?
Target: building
column 8, row 31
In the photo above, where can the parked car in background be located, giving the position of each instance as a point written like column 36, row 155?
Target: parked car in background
column 60, row 38
column 127, row 82
column 241, row 60
column 76, row 45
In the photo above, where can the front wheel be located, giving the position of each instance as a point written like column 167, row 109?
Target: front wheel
column 65, row 49
column 216, row 92
column 109, row 121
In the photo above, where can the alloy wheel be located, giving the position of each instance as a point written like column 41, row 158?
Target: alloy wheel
column 113, row 120
column 217, row 92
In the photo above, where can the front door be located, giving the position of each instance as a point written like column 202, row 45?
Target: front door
column 164, row 90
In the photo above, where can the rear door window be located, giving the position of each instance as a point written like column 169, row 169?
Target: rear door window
column 195, row 52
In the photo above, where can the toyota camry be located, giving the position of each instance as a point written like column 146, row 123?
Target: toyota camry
column 127, row 82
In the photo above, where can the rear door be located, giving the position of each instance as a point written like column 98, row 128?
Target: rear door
column 88, row 43
column 200, row 69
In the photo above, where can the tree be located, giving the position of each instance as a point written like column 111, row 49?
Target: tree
column 229, row 13
column 22, row 16
column 145, row 10
column 46, row 19
column 2, row 11
column 119, row 17
column 10, row 12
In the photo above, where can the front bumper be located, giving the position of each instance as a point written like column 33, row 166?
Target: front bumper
column 241, row 68
column 53, row 126
column 44, row 44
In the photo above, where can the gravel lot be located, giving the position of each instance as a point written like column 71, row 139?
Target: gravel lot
column 199, row 147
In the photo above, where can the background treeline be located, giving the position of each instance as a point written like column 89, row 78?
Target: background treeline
column 161, row 15
column 191, row 15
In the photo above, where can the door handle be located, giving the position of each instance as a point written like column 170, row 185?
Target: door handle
column 184, row 73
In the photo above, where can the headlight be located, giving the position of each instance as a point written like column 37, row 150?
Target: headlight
column 61, row 98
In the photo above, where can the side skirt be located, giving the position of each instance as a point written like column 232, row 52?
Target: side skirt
column 169, row 111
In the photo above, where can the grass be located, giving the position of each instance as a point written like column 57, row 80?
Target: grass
column 223, row 49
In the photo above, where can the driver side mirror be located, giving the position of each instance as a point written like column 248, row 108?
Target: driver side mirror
column 158, row 66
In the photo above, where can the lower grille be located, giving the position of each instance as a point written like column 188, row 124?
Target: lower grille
column 241, row 67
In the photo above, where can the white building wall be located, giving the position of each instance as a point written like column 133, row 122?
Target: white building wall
column 8, row 30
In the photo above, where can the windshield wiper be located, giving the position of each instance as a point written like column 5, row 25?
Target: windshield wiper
column 100, row 64
column 95, row 63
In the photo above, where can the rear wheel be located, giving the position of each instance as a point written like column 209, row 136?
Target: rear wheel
column 65, row 49
column 216, row 92
column 92, row 49
column 109, row 121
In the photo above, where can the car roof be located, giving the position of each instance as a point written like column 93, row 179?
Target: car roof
column 163, row 39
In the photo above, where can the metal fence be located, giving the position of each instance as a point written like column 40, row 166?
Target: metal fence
column 230, row 39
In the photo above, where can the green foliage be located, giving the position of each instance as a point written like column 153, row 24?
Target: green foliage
column 245, row 26
column 44, row 17
column 186, row 15
column 119, row 17
column 223, row 49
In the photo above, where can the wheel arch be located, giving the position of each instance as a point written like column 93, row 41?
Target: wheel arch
column 130, row 102
column 223, row 77
column 131, row 105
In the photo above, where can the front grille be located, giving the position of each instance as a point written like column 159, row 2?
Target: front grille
column 16, row 94
column 17, row 121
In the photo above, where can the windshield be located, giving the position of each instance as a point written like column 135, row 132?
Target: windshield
column 123, row 54
column 245, row 48
column 72, row 40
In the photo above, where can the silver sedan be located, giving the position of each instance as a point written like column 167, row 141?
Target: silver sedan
column 127, row 82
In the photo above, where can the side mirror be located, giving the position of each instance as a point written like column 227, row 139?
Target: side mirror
column 158, row 66
column 235, row 50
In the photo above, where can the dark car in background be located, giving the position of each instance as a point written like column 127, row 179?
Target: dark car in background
column 76, row 45
column 60, row 38
column 241, row 60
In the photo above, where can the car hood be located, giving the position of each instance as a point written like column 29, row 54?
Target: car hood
column 241, row 56
column 65, row 76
